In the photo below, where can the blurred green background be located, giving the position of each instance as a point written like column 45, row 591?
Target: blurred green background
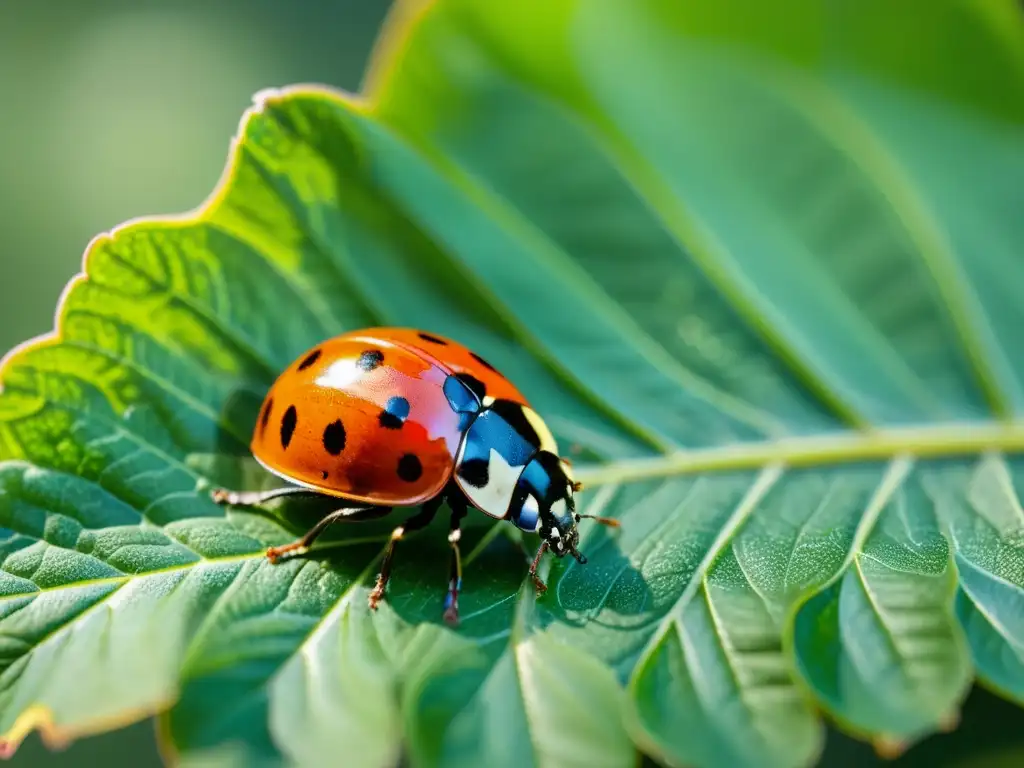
column 120, row 108
column 115, row 109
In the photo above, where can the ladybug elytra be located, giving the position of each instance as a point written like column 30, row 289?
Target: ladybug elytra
column 388, row 417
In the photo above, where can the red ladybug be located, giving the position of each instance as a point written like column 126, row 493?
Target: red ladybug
column 388, row 417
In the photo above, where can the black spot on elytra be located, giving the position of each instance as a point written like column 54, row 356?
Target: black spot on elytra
column 265, row 416
column 474, row 472
column 311, row 358
column 409, row 468
column 323, row 474
column 483, row 362
column 288, row 422
column 433, row 339
column 474, row 384
column 334, row 437
column 395, row 413
column 370, row 359
column 513, row 414
column 389, row 420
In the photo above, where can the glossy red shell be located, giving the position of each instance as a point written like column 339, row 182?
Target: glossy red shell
column 453, row 357
column 331, row 420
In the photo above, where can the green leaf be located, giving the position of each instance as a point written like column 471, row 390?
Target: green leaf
column 757, row 268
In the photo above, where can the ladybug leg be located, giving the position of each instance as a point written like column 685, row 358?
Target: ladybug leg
column 540, row 585
column 420, row 520
column 255, row 498
column 345, row 513
column 611, row 522
column 451, row 600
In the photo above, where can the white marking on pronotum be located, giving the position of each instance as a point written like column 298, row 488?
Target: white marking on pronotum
column 496, row 495
column 530, row 507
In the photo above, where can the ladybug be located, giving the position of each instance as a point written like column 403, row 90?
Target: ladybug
column 388, row 417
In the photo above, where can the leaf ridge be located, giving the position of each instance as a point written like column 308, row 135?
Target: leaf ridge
column 342, row 268
column 503, row 212
column 685, row 227
column 670, row 212
column 996, row 464
column 891, row 481
column 117, row 429
column 205, row 562
column 752, row 583
column 167, row 386
column 58, row 547
column 703, row 253
column 895, row 184
column 800, row 535
column 880, row 616
column 757, row 491
column 237, row 341
column 218, row 222
column 993, row 621
column 141, row 512
column 101, row 602
column 518, row 649
column 674, row 616
column 298, row 653
column 627, row 159
column 512, row 325
column 729, row 652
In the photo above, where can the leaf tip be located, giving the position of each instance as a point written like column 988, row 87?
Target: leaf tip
column 36, row 717
column 950, row 721
column 889, row 747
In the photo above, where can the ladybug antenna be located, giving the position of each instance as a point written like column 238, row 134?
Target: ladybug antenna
column 611, row 522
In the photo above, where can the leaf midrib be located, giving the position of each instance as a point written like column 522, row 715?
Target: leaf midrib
column 926, row 441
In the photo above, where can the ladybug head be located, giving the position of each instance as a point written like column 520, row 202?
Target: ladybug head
column 544, row 501
column 558, row 517
column 559, row 528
